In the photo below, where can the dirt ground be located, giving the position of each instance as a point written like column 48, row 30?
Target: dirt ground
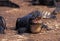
column 11, row 14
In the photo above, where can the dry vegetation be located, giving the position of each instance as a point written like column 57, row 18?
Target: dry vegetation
column 11, row 14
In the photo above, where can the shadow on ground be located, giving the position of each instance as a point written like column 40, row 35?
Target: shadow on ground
column 8, row 4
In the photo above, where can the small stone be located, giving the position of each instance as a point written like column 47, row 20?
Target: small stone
column 57, row 26
column 4, row 39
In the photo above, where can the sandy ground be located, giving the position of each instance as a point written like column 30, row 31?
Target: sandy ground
column 11, row 14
